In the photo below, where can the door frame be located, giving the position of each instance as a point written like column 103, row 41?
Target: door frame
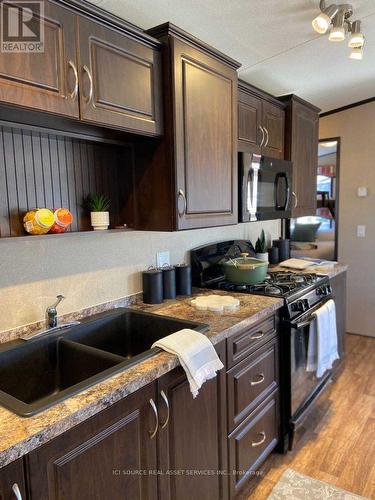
column 337, row 197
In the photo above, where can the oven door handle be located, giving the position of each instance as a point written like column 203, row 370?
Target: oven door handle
column 298, row 326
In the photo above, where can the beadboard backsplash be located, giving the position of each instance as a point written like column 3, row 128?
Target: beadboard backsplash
column 40, row 169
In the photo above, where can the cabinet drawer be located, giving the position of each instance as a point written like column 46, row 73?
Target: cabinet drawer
column 250, row 381
column 252, row 442
column 244, row 343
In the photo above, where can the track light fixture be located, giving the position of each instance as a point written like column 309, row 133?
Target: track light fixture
column 337, row 17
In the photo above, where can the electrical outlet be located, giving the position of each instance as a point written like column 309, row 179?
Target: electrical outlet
column 361, row 231
column 163, row 258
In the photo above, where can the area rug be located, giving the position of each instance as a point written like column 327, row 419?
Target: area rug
column 295, row 486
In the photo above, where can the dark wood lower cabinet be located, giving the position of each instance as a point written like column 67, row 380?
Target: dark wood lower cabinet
column 107, row 456
column 12, row 480
column 192, row 446
column 252, row 442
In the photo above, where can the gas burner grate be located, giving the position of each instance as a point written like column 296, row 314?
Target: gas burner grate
column 277, row 284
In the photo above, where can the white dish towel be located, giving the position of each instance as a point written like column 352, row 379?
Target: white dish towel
column 322, row 347
column 196, row 354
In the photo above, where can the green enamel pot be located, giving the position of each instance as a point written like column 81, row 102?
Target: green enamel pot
column 245, row 270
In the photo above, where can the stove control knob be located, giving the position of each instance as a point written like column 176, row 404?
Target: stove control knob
column 298, row 306
column 319, row 291
column 306, row 304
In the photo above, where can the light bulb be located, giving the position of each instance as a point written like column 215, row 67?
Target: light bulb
column 321, row 23
column 357, row 39
column 356, row 53
column 337, row 34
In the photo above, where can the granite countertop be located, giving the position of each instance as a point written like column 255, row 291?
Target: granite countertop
column 331, row 271
column 19, row 436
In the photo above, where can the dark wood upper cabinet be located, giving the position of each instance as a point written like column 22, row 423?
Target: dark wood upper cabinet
column 274, row 126
column 45, row 80
column 101, row 458
column 120, row 79
column 189, row 179
column 194, row 436
column 301, row 147
column 261, row 122
column 12, row 481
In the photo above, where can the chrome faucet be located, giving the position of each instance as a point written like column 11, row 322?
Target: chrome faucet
column 51, row 322
column 51, row 312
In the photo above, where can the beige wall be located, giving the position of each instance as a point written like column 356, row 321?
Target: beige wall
column 356, row 127
column 92, row 268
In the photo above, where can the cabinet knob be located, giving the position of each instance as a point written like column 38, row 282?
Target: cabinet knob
column 155, row 430
column 165, row 399
column 73, row 94
column 17, row 492
column 181, row 194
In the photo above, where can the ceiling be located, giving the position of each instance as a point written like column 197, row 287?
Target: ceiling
column 273, row 40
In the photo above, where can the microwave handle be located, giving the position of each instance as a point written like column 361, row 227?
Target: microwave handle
column 282, row 175
column 252, row 194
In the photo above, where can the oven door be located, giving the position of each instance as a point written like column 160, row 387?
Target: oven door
column 305, row 385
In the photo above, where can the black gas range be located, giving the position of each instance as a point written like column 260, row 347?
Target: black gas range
column 303, row 293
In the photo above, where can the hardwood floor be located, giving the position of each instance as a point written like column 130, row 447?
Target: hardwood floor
column 339, row 447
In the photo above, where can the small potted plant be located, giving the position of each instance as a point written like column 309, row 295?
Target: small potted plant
column 261, row 247
column 98, row 205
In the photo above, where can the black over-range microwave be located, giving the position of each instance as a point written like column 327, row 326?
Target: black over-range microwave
column 265, row 186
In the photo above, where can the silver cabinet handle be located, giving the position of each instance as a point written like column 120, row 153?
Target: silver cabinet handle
column 262, row 130
column 295, row 199
column 155, row 430
column 73, row 94
column 182, row 194
column 259, row 380
column 87, row 71
column 17, row 492
column 267, row 137
column 257, row 336
column 254, row 444
column 165, row 399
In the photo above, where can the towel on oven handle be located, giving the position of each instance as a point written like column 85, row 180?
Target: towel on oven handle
column 322, row 347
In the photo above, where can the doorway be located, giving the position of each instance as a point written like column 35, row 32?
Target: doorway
column 317, row 236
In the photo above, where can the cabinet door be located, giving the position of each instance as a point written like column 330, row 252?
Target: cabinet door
column 12, row 481
column 43, row 80
column 304, row 155
column 249, row 123
column 120, row 82
column 108, row 456
column 205, row 93
column 192, row 444
column 273, row 121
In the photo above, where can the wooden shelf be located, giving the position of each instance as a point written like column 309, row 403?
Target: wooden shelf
column 65, row 235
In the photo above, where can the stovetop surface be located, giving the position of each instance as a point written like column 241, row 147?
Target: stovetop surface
column 208, row 273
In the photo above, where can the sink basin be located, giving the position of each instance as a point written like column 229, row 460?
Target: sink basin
column 37, row 374
column 128, row 333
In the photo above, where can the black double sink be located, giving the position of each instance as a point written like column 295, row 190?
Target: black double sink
column 38, row 373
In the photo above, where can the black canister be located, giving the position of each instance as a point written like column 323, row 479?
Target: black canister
column 183, row 279
column 284, row 248
column 273, row 255
column 169, row 282
column 152, row 286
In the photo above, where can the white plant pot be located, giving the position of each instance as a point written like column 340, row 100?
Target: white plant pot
column 262, row 256
column 99, row 220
